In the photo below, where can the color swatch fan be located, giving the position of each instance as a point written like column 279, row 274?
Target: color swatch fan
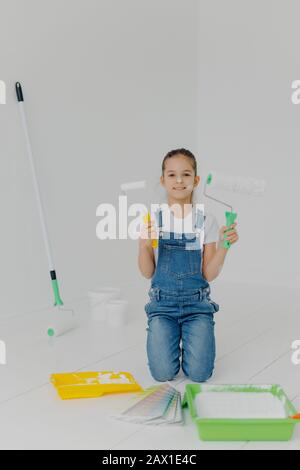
column 156, row 405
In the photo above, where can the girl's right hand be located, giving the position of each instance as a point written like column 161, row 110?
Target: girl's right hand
column 148, row 233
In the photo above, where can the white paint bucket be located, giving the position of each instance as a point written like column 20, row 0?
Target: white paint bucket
column 116, row 313
column 98, row 300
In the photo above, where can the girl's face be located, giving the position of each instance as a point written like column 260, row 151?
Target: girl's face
column 179, row 178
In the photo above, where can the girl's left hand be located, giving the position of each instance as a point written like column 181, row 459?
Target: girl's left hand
column 232, row 235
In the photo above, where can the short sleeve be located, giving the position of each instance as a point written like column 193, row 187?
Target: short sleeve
column 211, row 229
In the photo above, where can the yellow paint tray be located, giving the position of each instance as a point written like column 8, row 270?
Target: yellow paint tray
column 93, row 384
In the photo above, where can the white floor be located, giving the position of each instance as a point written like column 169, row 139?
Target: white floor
column 255, row 329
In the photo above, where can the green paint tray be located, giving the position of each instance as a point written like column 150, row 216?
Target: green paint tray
column 241, row 412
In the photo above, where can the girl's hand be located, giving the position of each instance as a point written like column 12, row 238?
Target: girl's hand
column 148, row 234
column 232, row 235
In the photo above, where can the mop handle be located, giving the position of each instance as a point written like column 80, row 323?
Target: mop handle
column 41, row 211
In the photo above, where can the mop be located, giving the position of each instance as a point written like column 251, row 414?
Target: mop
column 240, row 185
column 62, row 319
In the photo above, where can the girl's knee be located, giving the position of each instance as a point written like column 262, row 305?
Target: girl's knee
column 200, row 377
column 163, row 349
column 163, row 377
column 198, row 374
column 163, row 373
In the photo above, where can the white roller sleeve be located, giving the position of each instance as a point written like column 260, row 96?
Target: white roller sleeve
column 61, row 321
column 135, row 185
column 238, row 184
column 37, row 190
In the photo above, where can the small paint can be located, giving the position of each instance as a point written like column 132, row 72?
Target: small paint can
column 116, row 313
column 98, row 300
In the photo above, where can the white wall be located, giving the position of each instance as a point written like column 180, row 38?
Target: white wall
column 248, row 57
column 110, row 87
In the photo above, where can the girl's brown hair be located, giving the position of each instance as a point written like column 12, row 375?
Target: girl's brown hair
column 175, row 153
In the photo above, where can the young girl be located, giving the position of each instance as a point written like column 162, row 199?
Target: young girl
column 180, row 311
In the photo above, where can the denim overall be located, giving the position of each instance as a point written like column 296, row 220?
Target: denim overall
column 180, row 309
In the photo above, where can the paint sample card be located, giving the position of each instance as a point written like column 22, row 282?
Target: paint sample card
column 156, row 405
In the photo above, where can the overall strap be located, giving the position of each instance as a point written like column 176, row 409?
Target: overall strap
column 158, row 219
column 199, row 220
column 159, row 224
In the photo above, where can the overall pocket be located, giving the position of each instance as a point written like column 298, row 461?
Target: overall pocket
column 180, row 262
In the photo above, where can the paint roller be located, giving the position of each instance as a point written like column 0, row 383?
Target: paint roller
column 62, row 319
column 237, row 184
column 126, row 187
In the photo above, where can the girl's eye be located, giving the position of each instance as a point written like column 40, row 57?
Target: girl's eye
column 186, row 174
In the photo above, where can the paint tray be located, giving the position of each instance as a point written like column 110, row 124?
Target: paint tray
column 241, row 412
column 93, row 384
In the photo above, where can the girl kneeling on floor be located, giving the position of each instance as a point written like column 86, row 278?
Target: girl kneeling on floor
column 189, row 255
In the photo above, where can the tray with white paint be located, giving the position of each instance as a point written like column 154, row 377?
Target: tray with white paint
column 241, row 412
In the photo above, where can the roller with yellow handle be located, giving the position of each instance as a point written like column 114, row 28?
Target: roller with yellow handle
column 147, row 219
column 138, row 185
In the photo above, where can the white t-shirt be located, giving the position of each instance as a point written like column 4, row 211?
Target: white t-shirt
column 185, row 224
column 209, row 233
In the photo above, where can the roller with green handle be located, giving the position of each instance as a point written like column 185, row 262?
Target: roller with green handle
column 237, row 184
column 230, row 219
